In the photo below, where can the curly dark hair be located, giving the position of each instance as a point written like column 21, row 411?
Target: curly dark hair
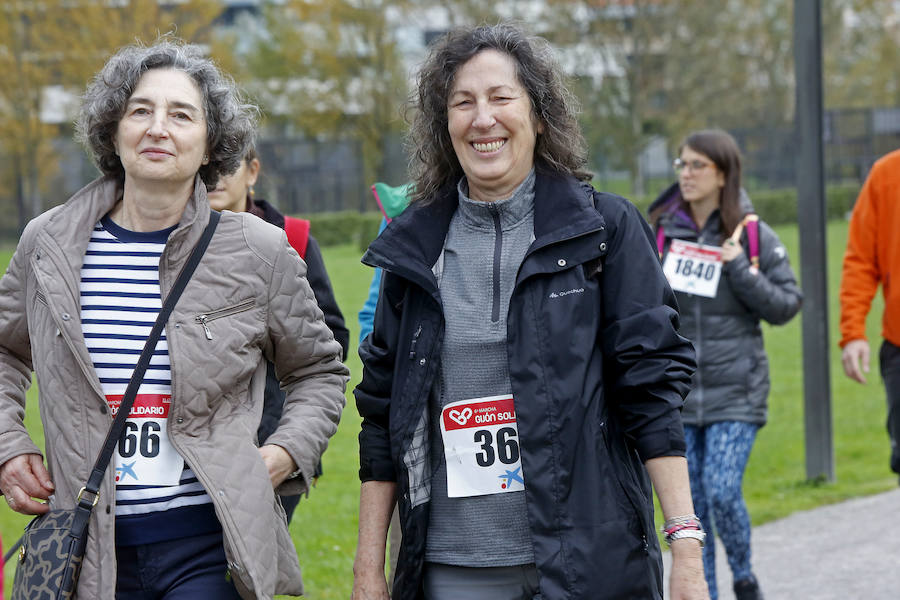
column 560, row 148
column 230, row 120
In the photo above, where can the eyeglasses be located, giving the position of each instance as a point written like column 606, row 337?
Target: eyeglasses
column 694, row 165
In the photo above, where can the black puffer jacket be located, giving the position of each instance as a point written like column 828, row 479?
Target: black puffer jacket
column 598, row 374
column 732, row 382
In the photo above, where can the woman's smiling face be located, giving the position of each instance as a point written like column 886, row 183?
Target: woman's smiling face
column 492, row 125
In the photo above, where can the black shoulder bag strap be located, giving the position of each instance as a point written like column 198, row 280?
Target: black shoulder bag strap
column 90, row 493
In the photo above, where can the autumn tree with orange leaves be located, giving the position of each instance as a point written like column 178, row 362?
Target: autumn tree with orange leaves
column 48, row 52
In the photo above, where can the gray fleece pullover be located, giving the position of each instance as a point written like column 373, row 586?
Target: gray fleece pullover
column 485, row 246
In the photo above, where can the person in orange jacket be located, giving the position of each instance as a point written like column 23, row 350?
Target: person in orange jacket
column 873, row 257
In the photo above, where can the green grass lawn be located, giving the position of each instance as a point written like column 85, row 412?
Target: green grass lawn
column 324, row 525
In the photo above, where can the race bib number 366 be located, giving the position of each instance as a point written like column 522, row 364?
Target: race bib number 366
column 693, row 268
column 481, row 445
column 144, row 455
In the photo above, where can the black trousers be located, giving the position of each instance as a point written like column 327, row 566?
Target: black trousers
column 889, row 357
column 290, row 503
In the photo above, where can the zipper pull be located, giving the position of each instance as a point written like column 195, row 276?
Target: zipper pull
column 412, row 346
column 202, row 320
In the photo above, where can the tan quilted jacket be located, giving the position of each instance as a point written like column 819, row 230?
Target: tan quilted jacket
column 253, row 288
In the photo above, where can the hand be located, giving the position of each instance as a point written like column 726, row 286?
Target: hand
column 278, row 462
column 855, row 358
column 369, row 585
column 686, row 581
column 731, row 250
column 23, row 478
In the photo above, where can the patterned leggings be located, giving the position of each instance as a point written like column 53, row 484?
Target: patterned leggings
column 717, row 456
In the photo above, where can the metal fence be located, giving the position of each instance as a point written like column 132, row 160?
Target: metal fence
column 853, row 140
column 856, row 138
column 302, row 176
column 309, row 176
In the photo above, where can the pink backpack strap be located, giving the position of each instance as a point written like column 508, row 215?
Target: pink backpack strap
column 660, row 241
column 752, row 225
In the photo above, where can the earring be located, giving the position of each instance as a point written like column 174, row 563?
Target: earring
column 206, row 159
column 250, row 191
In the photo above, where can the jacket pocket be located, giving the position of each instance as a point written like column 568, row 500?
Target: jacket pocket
column 593, row 269
column 41, row 320
column 629, row 486
column 204, row 319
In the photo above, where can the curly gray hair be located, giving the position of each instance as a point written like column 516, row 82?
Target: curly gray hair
column 230, row 120
column 560, row 148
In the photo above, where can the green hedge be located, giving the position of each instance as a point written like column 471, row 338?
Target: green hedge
column 776, row 207
column 343, row 227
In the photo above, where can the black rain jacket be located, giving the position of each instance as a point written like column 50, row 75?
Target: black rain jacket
column 598, row 374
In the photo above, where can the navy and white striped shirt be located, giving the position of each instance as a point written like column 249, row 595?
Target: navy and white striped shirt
column 120, row 301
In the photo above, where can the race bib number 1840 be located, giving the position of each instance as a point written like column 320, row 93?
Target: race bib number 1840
column 693, row 268
column 481, row 446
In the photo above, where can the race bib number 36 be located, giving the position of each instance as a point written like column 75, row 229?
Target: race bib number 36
column 693, row 268
column 144, row 455
column 481, row 445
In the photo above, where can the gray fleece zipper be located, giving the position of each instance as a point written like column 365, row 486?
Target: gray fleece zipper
column 498, row 251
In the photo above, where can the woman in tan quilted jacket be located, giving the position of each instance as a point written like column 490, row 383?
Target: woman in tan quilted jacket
column 188, row 507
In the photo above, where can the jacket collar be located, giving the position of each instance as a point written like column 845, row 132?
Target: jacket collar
column 67, row 231
column 565, row 209
column 413, row 241
column 71, row 224
column 266, row 212
column 509, row 211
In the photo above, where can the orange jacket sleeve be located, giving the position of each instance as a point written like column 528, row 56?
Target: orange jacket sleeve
column 861, row 272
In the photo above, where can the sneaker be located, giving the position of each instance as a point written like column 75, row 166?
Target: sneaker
column 747, row 589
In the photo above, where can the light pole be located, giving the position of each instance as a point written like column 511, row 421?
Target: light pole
column 811, row 212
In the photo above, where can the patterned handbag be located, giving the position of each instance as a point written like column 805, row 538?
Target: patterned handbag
column 50, row 557
column 52, row 548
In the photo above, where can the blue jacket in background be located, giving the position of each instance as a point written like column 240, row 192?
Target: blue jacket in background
column 367, row 312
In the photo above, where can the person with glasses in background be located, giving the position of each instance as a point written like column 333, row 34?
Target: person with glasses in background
column 729, row 271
